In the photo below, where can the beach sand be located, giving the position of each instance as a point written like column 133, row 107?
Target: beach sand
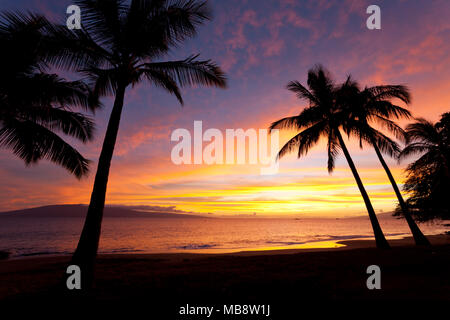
column 282, row 277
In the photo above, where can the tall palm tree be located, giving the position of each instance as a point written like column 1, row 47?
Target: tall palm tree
column 372, row 104
column 121, row 43
column 34, row 105
column 323, row 118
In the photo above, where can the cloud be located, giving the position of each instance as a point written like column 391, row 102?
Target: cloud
column 262, row 45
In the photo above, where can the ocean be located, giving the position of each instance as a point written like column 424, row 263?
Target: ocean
column 27, row 236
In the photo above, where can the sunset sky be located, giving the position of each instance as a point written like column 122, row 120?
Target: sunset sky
column 262, row 45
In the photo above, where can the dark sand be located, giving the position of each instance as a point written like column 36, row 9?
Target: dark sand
column 283, row 278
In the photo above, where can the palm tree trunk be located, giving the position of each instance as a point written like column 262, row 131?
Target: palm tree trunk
column 419, row 237
column 86, row 251
column 379, row 236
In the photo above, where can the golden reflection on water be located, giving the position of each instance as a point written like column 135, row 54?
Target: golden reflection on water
column 309, row 245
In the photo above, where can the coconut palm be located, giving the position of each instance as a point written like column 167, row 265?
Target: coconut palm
column 372, row 104
column 429, row 140
column 122, row 43
column 36, row 106
column 428, row 179
column 323, row 118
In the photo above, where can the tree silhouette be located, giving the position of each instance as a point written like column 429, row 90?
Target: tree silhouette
column 323, row 118
column 120, row 44
column 372, row 104
column 428, row 181
column 34, row 105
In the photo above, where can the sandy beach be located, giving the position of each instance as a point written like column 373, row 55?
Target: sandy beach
column 237, row 160
column 278, row 277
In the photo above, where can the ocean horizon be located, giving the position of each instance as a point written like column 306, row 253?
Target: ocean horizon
column 29, row 236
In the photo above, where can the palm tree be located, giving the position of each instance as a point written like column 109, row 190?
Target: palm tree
column 121, row 44
column 428, row 179
column 373, row 104
column 431, row 141
column 35, row 105
column 323, row 118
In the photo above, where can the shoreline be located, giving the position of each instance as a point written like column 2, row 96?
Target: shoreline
column 210, row 237
column 312, row 246
column 321, row 273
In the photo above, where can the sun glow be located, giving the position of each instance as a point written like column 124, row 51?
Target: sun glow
column 219, row 191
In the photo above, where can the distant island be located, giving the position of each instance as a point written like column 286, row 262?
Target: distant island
column 79, row 211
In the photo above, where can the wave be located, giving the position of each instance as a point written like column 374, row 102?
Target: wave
column 245, row 244
column 317, row 239
column 289, row 243
column 320, row 238
column 39, row 253
column 122, row 250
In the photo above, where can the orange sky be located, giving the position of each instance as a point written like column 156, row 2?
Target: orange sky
column 261, row 47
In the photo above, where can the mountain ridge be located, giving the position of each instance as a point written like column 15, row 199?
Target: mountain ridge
column 80, row 210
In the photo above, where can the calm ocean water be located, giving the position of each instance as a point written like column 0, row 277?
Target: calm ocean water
column 30, row 236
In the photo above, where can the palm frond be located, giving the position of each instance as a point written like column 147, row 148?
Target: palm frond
column 74, row 49
column 391, row 126
column 103, row 81
column 301, row 92
column 387, row 109
column 73, row 124
column 102, row 19
column 386, row 92
column 303, row 140
column 48, row 89
column 413, row 149
column 430, row 159
column 286, row 123
column 21, row 34
column 182, row 18
column 422, row 130
column 162, row 23
column 190, row 72
column 308, row 117
column 163, row 80
column 333, row 150
column 386, row 144
column 32, row 142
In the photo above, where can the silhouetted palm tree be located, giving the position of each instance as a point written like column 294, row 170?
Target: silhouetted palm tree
column 373, row 105
column 429, row 140
column 323, row 118
column 428, row 181
column 34, row 105
column 120, row 44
